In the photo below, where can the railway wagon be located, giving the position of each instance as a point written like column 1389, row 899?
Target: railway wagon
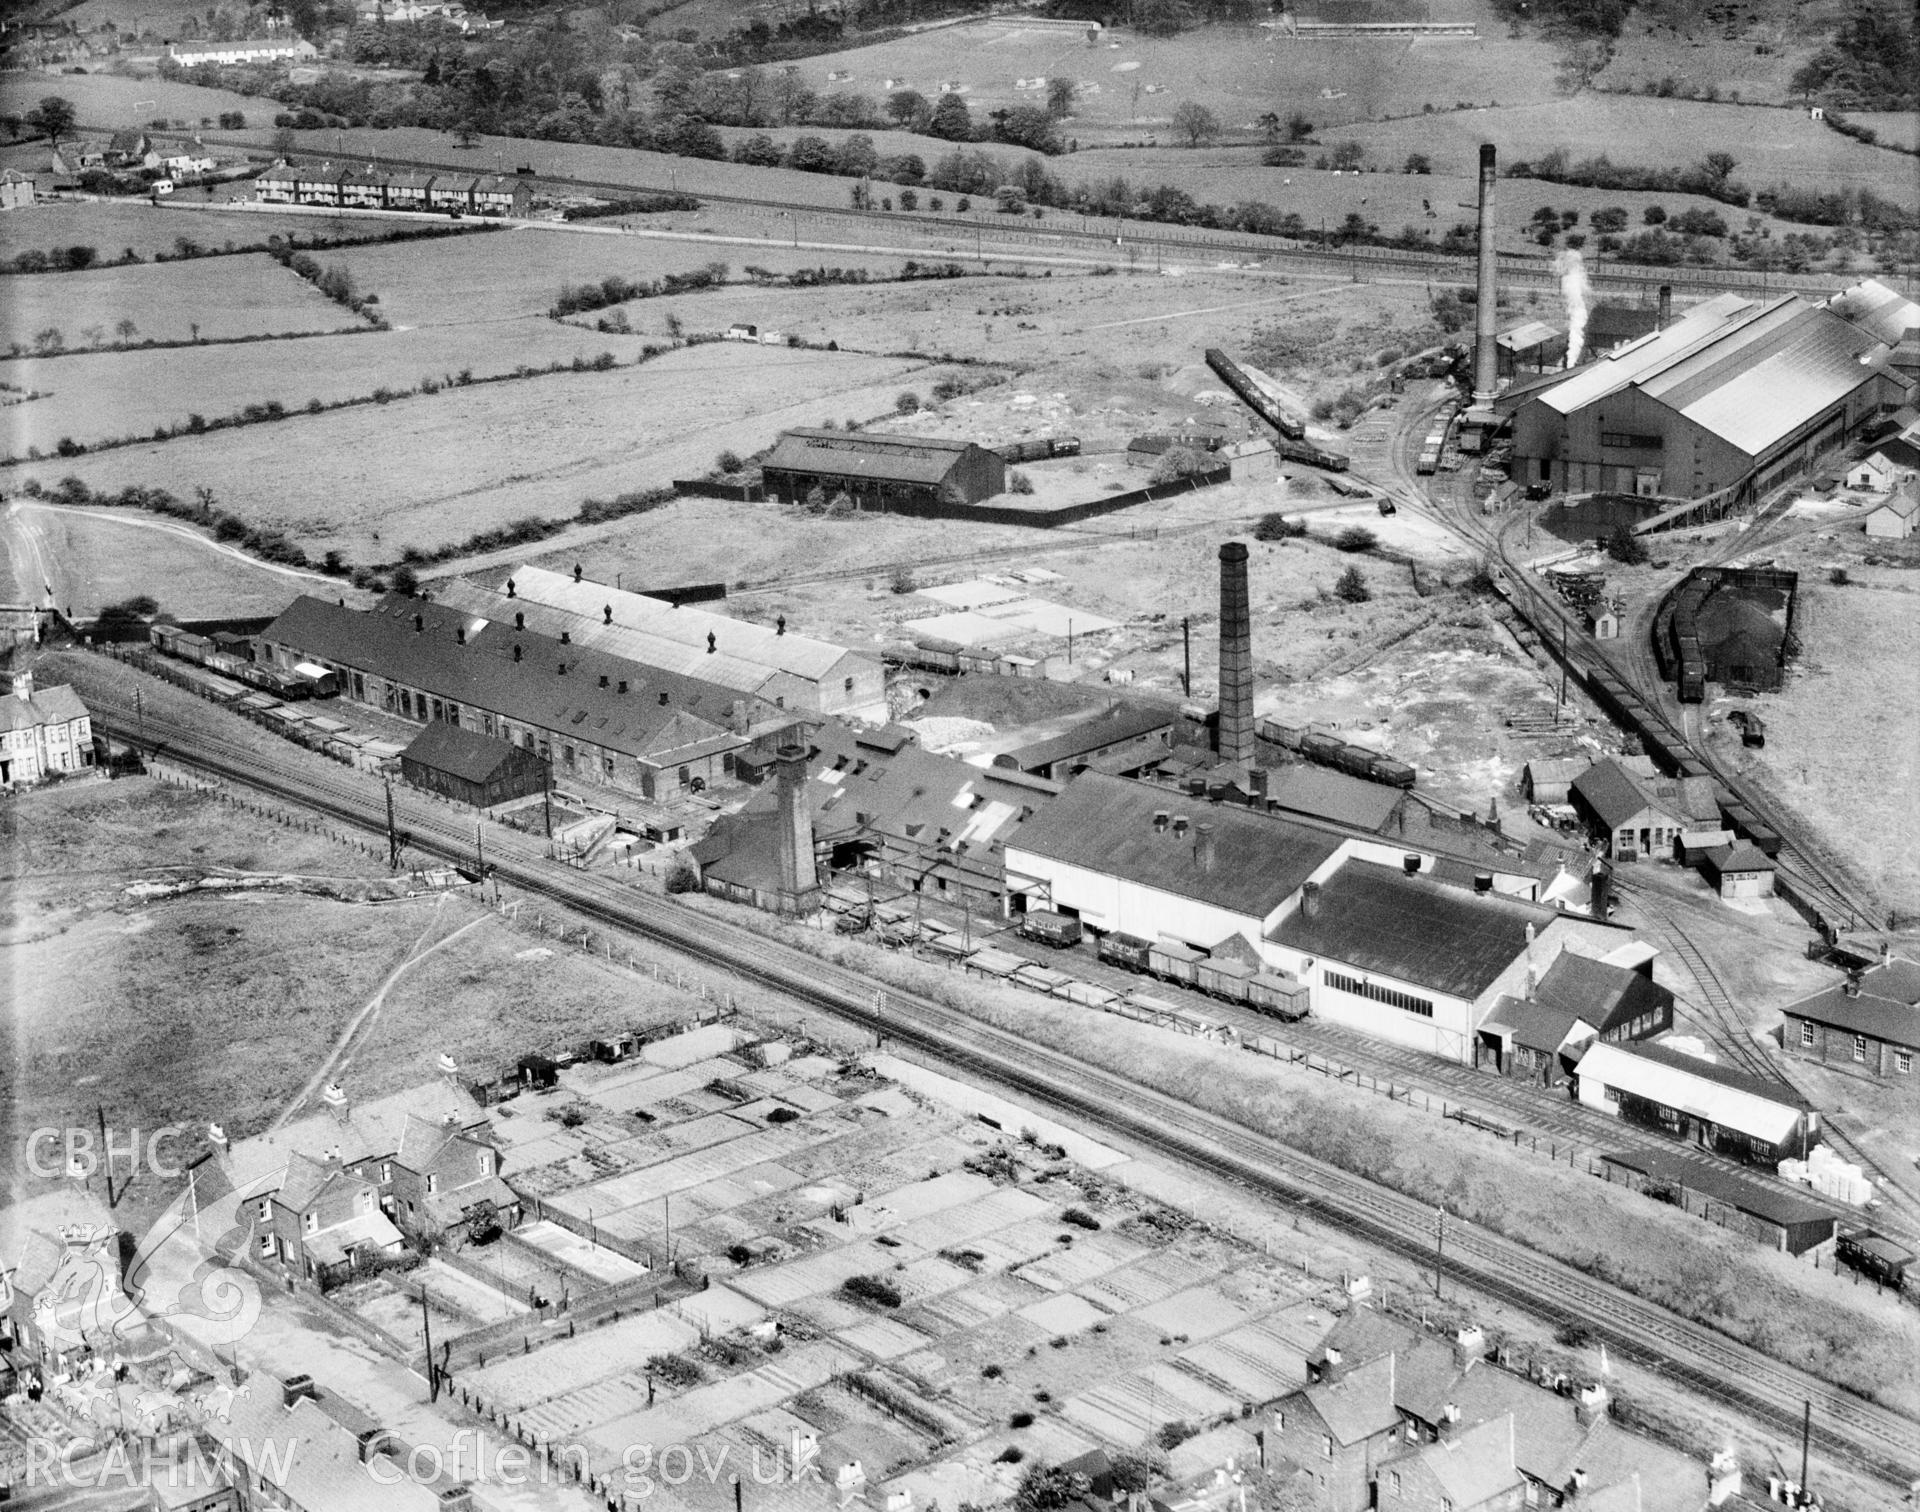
column 1765, row 838
column 1039, row 449
column 1356, row 761
column 1275, row 992
column 1313, row 456
column 1053, row 929
column 1129, row 951
column 1223, row 979
column 1176, row 961
column 1293, row 427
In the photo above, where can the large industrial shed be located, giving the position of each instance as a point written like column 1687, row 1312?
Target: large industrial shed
column 471, row 768
column 1736, row 392
column 596, row 717
column 877, row 471
column 769, row 662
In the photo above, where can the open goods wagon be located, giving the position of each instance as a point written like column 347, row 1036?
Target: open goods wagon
column 1039, row 450
column 185, row 646
column 1266, row 991
column 1052, row 929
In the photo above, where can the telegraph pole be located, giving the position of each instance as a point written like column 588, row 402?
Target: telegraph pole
column 140, row 713
column 1439, row 1247
column 393, row 835
column 426, row 1328
column 1186, row 643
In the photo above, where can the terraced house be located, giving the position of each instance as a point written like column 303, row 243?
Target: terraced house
column 42, row 734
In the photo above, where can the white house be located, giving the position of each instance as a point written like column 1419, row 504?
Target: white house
column 1875, row 474
column 250, row 50
column 42, row 733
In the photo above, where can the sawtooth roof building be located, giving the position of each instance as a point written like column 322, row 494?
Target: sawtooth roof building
column 1736, row 394
column 597, row 717
column 767, row 662
column 878, row 471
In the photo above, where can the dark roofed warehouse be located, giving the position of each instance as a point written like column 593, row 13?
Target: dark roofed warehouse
column 877, row 470
column 471, row 768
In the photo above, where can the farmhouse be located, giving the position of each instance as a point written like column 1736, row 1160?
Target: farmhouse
column 1870, row 1023
column 42, row 734
column 878, row 471
column 471, row 768
column 1737, row 393
column 1895, row 520
column 596, row 717
column 786, row 670
column 1779, row 1219
column 1640, row 816
column 1760, row 1122
column 251, row 50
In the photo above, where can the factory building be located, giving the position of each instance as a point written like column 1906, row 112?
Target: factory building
column 1696, row 1100
column 765, row 662
column 879, row 471
column 596, row 717
column 1737, row 393
column 1385, row 944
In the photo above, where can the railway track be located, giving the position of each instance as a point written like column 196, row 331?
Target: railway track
column 1863, row 1436
column 1101, row 237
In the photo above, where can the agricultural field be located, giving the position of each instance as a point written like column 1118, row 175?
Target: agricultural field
column 93, row 558
column 108, row 102
column 116, row 227
column 1853, row 779
column 477, row 457
column 204, row 299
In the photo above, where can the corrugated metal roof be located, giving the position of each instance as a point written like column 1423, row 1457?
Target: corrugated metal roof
column 801, row 655
column 1628, row 364
column 1883, row 313
column 463, row 753
column 1528, row 335
column 616, row 640
column 796, row 451
column 1695, row 1087
column 1710, row 1180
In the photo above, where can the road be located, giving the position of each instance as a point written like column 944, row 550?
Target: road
column 1865, row 1437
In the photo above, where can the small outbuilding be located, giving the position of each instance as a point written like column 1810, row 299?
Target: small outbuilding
column 1739, row 870
column 469, row 767
column 1875, row 474
column 1767, row 1214
column 1895, row 519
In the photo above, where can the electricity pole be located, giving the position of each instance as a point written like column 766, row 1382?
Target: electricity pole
column 393, row 835
column 426, row 1328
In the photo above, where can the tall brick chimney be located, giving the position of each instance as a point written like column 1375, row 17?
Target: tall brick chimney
column 1486, row 312
column 1236, row 656
column 798, row 878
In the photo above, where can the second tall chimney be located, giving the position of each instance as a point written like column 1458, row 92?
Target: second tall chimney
column 1486, row 312
column 1665, row 317
column 1236, row 656
column 798, row 877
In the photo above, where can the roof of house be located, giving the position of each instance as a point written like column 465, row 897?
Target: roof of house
column 480, row 671
column 1305, row 788
column 1360, row 1404
column 1536, row 1025
column 766, row 645
column 1777, row 1204
column 1887, row 1006
column 1904, row 505
column 1474, row 1466
column 1674, row 1079
column 315, row 1457
column 422, row 1140
column 906, row 459
column 1605, row 996
column 56, row 705
column 462, row 753
column 1110, row 726
column 1546, row 1428
column 1377, row 918
column 371, row 1130
column 1741, row 856
column 331, row 1245
column 1105, row 824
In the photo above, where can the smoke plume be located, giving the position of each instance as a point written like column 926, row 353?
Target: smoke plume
column 1574, row 289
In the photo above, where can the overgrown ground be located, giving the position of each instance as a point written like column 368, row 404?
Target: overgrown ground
column 1808, row 1317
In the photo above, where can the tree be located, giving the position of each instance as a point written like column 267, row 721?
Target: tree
column 405, row 580
column 1418, row 162
column 53, row 117
column 1270, row 126
column 908, row 109
column 1625, row 547
column 1655, row 215
column 682, row 877
column 1047, row 1488
column 1721, row 165
column 1299, row 128
column 1060, row 93
column 907, row 404
column 1195, row 122
column 1277, row 527
column 1352, row 587
column 125, row 329
column 1355, row 538
column 951, row 120
column 48, row 342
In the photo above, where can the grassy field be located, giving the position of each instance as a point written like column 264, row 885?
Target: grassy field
column 119, row 226
column 104, row 557
column 1853, row 778
column 480, row 456
column 215, row 299
column 108, row 103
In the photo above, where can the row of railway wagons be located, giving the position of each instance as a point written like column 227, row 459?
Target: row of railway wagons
column 1270, row 992
column 183, row 645
column 1436, row 442
column 1669, row 748
column 1326, row 750
column 1293, row 443
column 1039, row 450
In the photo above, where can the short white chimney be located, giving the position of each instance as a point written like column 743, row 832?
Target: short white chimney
column 23, row 685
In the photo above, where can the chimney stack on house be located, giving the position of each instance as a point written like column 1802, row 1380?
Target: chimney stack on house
column 294, row 1387
column 1203, row 849
column 1236, row 656
column 1486, row 367
column 23, row 685
column 334, row 1096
